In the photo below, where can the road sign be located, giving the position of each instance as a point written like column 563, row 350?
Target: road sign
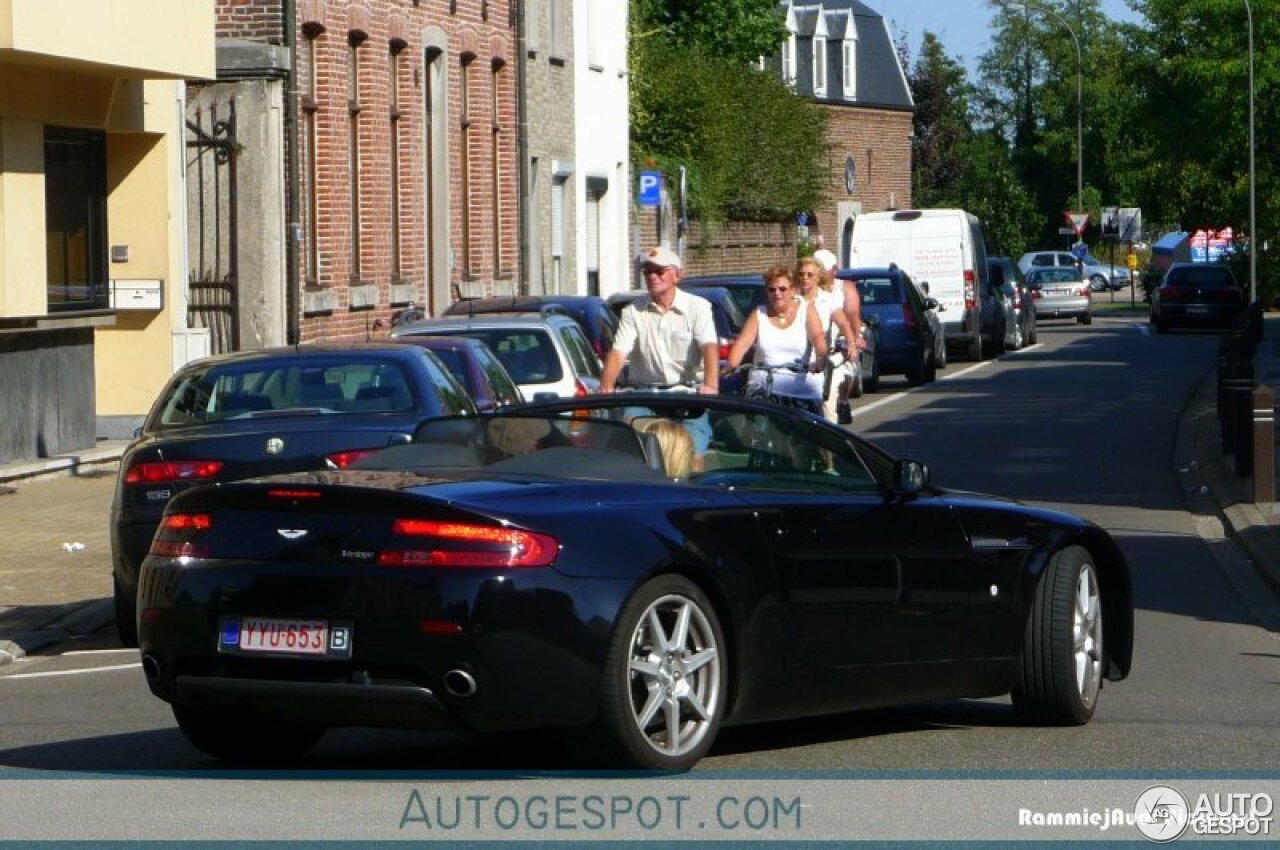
column 650, row 192
column 1078, row 221
column 1079, row 250
column 1066, row 231
column 1129, row 221
column 1110, row 222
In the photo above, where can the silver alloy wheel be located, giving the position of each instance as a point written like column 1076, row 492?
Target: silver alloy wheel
column 1087, row 636
column 675, row 687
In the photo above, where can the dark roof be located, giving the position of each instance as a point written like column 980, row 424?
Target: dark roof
column 880, row 78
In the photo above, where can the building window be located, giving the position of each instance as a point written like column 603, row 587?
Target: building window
column 557, row 27
column 849, row 79
column 354, row 39
column 397, row 265
column 75, row 199
column 819, row 65
column 310, row 153
column 465, row 98
column 495, row 170
column 557, row 233
column 789, row 59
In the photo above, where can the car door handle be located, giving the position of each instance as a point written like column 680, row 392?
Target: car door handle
column 998, row 544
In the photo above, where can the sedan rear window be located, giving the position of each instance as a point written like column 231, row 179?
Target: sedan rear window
column 240, row 391
column 879, row 290
column 1207, row 277
column 529, row 355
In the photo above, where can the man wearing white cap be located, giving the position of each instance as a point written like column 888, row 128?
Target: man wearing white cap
column 667, row 338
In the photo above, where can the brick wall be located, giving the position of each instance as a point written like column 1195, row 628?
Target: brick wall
column 389, row 39
column 879, row 140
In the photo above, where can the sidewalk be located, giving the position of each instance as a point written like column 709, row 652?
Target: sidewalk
column 51, row 589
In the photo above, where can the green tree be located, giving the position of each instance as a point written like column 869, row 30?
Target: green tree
column 735, row 30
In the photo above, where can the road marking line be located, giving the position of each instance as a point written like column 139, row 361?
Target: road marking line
column 71, row 672
column 953, row 375
column 97, row 651
column 863, row 408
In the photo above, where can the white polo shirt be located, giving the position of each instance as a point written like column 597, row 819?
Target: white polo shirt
column 665, row 347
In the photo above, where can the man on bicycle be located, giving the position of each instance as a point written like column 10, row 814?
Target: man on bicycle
column 667, row 340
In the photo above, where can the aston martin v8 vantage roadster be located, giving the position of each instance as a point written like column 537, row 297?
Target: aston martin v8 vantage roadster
column 644, row 568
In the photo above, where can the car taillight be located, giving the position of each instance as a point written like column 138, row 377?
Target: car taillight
column 579, row 388
column 968, row 289
column 1082, row 292
column 1172, row 293
column 156, row 472
column 177, row 536
column 909, row 320
column 1017, row 298
column 428, row 543
column 725, row 345
column 1036, row 293
column 341, row 460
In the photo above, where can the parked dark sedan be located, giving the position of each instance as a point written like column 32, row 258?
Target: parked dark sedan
column 260, row 412
column 1196, row 295
column 908, row 341
column 475, row 366
column 1019, row 305
column 598, row 322
column 540, row 567
column 747, row 289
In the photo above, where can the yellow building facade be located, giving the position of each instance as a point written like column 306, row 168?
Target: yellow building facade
column 92, row 205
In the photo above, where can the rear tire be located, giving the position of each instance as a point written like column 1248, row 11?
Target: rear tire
column 239, row 735
column 126, row 615
column 1086, row 319
column 975, row 346
column 1060, row 671
column 666, row 678
column 915, row 371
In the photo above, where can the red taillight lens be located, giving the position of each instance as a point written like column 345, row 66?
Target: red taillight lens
column 1172, row 293
column 460, row 544
column 1082, row 292
column 176, row 536
column 341, row 460
column 156, row 472
column 969, row 282
column 579, row 388
column 909, row 319
column 725, row 345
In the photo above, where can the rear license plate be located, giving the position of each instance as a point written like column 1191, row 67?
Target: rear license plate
column 275, row 636
column 1197, row 311
column 1058, row 291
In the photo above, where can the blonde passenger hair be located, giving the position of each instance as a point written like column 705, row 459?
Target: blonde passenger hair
column 675, row 443
column 825, row 278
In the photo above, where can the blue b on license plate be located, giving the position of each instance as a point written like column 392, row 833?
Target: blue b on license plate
column 277, row 636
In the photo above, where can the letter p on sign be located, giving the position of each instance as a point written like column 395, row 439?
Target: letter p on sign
column 650, row 193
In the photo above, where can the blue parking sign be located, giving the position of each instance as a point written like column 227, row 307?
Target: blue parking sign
column 650, row 191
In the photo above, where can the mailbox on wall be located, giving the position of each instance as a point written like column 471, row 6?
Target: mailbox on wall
column 137, row 294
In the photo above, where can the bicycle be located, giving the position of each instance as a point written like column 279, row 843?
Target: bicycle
column 765, row 392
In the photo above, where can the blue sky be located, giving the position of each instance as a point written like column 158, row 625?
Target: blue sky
column 961, row 25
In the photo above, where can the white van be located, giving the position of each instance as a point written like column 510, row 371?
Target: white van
column 946, row 250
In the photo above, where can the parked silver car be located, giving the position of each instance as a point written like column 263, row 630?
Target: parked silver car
column 1101, row 276
column 1019, row 305
column 1060, row 293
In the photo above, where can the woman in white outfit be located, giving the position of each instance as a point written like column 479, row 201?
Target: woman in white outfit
column 816, row 289
column 784, row 330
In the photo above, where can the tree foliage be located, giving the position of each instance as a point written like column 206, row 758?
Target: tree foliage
column 751, row 147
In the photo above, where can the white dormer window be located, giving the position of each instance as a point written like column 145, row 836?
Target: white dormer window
column 819, row 65
column 849, row 80
column 789, row 60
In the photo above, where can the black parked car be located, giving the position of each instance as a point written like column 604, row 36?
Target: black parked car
column 539, row 567
column 747, row 289
column 1019, row 304
column 1197, row 295
column 260, row 412
column 598, row 322
column 475, row 366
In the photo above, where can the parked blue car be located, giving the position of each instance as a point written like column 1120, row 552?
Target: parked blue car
column 909, row 334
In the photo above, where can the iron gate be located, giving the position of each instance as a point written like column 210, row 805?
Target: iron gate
column 213, row 300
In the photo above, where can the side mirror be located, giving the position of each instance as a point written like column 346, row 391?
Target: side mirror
column 910, row 477
column 932, row 304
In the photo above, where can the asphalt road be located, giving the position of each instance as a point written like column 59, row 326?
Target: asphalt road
column 1084, row 421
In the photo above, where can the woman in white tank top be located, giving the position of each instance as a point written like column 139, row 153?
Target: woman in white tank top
column 784, row 330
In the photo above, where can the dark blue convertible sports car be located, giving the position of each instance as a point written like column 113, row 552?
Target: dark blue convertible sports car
column 262, row 412
column 575, row 564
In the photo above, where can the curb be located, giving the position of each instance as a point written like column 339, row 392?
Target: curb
column 84, row 619
column 94, row 459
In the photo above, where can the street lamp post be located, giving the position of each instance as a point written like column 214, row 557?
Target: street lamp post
column 1079, row 96
column 1253, row 223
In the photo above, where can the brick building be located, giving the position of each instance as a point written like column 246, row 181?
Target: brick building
column 839, row 53
column 390, row 177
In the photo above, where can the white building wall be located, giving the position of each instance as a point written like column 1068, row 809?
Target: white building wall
column 601, row 136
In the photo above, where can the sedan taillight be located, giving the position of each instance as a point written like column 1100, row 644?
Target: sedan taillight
column 341, row 460
column 428, row 543
column 158, row 472
column 178, row 536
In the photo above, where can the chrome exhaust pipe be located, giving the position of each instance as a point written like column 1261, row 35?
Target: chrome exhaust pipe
column 151, row 668
column 459, row 683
